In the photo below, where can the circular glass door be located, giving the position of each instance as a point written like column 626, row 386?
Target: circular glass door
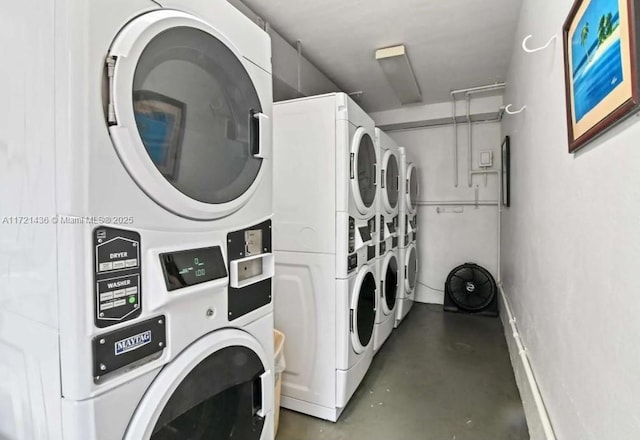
column 412, row 181
column 364, row 311
column 391, row 182
column 390, row 285
column 216, row 400
column 219, row 387
column 412, row 269
column 363, row 176
column 192, row 112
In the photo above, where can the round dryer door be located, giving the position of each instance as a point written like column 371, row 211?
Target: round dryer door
column 363, row 172
column 391, row 178
column 411, row 269
column 390, row 272
column 363, row 310
column 412, row 188
column 220, row 387
column 185, row 116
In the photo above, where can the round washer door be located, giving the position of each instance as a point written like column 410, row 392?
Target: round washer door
column 410, row 269
column 390, row 291
column 220, row 386
column 390, row 181
column 363, row 309
column 412, row 188
column 364, row 165
column 184, row 115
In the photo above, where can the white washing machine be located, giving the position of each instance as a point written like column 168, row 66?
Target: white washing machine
column 389, row 268
column 137, row 259
column 408, row 253
column 407, row 284
column 325, row 243
column 329, row 326
column 389, row 200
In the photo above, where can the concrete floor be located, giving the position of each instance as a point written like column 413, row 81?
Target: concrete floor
column 440, row 376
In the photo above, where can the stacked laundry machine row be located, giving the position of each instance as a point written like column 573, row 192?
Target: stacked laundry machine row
column 341, row 199
column 137, row 251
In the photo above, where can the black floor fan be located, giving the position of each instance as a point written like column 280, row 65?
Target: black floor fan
column 471, row 289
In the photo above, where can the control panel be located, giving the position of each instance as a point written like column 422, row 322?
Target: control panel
column 117, row 276
column 383, row 247
column 352, row 234
column 190, row 267
column 251, row 267
column 371, row 252
column 352, row 263
column 381, row 227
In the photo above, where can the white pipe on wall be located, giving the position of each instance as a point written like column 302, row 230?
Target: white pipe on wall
column 537, row 397
column 470, row 142
column 455, row 134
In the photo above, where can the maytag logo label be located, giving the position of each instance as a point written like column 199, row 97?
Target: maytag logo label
column 132, row 343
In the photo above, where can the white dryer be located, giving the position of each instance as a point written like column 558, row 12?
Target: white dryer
column 408, row 253
column 327, row 203
column 325, row 242
column 141, row 301
column 390, row 278
column 389, row 200
column 408, row 200
column 329, row 325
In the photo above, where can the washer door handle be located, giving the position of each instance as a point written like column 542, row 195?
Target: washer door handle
column 267, row 391
column 260, row 134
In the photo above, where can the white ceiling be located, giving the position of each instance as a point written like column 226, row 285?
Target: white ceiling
column 451, row 44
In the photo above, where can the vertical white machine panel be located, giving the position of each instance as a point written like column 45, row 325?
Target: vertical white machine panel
column 304, row 175
column 305, row 311
column 27, row 173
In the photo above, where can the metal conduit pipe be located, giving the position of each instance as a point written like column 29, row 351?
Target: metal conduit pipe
column 455, row 135
column 470, row 141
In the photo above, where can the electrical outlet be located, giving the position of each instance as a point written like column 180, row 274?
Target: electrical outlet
column 486, row 159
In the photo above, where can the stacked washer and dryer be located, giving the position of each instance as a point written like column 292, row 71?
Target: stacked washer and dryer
column 408, row 253
column 389, row 233
column 325, row 241
column 137, row 300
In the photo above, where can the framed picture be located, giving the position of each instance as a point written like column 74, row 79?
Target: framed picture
column 160, row 120
column 601, row 66
column 506, row 171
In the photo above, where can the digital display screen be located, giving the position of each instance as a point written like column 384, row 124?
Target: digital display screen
column 191, row 267
column 365, row 233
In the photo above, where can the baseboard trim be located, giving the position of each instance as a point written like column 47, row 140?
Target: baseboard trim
column 538, row 421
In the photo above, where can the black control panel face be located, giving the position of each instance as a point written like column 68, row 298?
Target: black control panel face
column 191, row 267
column 352, row 262
column 394, row 242
column 381, row 227
column 241, row 244
column 372, row 224
column 383, row 247
column 128, row 346
column 392, row 227
column 371, row 252
column 365, row 233
column 352, row 234
column 117, row 276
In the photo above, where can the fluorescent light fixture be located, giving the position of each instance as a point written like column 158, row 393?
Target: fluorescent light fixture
column 396, row 67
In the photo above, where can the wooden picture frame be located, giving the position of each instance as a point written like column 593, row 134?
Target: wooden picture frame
column 601, row 64
column 161, row 123
column 505, row 166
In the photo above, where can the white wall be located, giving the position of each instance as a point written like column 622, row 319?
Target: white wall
column 571, row 247
column 446, row 240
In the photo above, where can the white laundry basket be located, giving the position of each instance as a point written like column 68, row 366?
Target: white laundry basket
column 278, row 347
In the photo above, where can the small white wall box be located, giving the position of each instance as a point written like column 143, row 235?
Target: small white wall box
column 486, row 158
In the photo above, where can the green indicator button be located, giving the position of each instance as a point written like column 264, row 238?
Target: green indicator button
column 132, row 300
